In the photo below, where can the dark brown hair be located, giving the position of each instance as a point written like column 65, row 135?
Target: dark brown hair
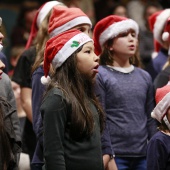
column 79, row 92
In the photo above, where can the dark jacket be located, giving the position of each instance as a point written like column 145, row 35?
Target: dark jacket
column 11, row 121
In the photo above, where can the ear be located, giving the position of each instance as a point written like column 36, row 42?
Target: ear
column 111, row 49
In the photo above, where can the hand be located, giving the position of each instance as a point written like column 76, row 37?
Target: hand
column 111, row 165
column 106, row 159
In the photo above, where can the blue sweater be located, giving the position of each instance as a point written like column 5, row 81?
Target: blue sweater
column 127, row 99
column 38, row 90
column 158, row 152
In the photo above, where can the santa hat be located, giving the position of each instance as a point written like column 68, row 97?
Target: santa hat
column 165, row 35
column 1, row 47
column 60, row 47
column 67, row 19
column 110, row 27
column 157, row 22
column 162, row 98
column 40, row 16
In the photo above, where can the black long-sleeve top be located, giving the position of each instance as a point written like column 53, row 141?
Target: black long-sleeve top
column 60, row 150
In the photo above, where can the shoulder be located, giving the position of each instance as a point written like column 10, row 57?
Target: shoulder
column 53, row 94
column 143, row 73
column 28, row 55
column 39, row 71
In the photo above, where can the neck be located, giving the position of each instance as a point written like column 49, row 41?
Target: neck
column 121, row 62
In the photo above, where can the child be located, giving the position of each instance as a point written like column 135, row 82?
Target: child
column 10, row 137
column 22, row 76
column 125, row 91
column 158, row 151
column 72, row 116
column 59, row 20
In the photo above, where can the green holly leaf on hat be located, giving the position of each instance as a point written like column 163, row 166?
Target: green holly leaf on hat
column 75, row 44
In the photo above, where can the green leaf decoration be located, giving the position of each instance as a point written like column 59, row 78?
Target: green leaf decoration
column 75, row 44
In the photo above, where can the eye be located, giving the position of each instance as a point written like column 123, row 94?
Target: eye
column 133, row 34
column 81, row 29
column 124, row 34
column 87, row 51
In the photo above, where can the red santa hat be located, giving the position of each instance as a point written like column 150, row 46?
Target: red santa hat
column 157, row 22
column 66, row 19
column 40, row 16
column 165, row 35
column 60, row 47
column 162, row 98
column 110, row 27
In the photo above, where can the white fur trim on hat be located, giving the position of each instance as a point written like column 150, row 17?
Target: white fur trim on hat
column 161, row 108
column 159, row 24
column 71, row 24
column 45, row 10
column 45, row 80
column 67, row 50
column 116, row 28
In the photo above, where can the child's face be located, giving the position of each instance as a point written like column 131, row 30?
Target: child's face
column 125, row 44
column 2, row 66
column 87, row 61
column 84, row 28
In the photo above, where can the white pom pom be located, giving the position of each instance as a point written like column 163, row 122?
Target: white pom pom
column 153, row 115
column 1, row 47
column 165, row 36
column 45, row 80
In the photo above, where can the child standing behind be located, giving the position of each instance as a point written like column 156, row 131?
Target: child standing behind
column 125, row 91
column 72, row 116
column 158, row 151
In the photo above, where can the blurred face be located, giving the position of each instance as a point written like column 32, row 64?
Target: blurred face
column 124, row 45
column 150, row 10
column 2, row 66
column 121, row 11
column 84, row 28
column 87, row 61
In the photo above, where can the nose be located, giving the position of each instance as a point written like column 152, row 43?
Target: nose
column 96, row 58
column 130, row 37
column 1, row 36
column 2, row 65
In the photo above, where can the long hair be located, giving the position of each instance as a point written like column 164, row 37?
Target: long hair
column 106, row 58
column 40, row 41
column 79, row 93
column 5, row 146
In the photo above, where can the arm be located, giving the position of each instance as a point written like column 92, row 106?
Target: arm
column 54, row 110
column 105, row 139
column 38, row 90
column 150, row 104
column 112, row 165
column 26, row 101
